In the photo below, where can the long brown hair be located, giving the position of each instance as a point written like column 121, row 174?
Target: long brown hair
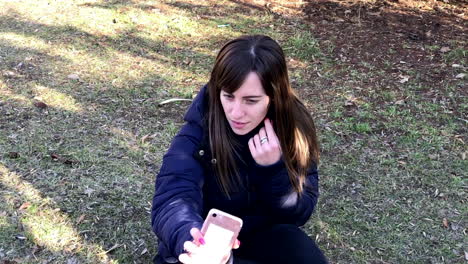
column 293, row 124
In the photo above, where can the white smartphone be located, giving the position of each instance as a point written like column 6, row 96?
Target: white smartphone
column 220, row 231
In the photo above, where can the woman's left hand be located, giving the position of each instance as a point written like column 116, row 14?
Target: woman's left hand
column 265, row 146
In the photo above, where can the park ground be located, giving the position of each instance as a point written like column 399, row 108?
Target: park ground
column 82, row 134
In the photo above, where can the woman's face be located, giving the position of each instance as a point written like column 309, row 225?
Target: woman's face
column 247, row 107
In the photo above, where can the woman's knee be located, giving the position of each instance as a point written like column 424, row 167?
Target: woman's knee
column 295, row 246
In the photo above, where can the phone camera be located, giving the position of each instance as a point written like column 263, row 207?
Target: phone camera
column 214, row 215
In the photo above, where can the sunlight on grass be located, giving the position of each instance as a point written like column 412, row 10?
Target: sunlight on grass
column 114, row 45
column 57, row 99
column 22, row 41
column 3, row 221
column 51, row 230
column 115, row 67
column 45, row 225
column 6, row 94
column 125, row 139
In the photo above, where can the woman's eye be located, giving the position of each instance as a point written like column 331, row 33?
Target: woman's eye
column 252, row 101
column 228, row 96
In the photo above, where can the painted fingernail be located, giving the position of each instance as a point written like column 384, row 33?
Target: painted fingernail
column 202, row 241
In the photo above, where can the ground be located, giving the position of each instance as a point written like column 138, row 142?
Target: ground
column 82, row 134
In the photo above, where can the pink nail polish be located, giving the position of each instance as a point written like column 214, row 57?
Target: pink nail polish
column 202, row 241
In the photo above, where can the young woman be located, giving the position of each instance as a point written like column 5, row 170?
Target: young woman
column 248, row 148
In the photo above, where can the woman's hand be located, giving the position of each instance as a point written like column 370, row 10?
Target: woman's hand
column 265, row 147
column 199, row 253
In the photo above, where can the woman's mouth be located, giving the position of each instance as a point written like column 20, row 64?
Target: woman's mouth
column 238, row 125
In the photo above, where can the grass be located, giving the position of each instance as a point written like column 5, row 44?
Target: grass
column 76, row 178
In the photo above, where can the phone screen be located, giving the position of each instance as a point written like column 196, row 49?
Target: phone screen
column 218, row 237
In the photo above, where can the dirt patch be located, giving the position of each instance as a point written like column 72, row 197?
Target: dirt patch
column 395, row 36
column 416, row 33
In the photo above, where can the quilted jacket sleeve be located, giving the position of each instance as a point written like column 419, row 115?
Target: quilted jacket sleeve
column 177, row 202
column 279, row 198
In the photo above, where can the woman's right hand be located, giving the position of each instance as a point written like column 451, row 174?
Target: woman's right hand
column 198, row 253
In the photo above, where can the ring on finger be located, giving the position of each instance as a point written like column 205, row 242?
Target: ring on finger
column 263, row 140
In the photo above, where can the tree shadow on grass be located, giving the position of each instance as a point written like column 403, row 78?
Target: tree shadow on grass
column 96, row 164
column 126, row 42
column 92, row 169
column 41, row 70
column 120, row 3
column 35, row 228
column 90, row 162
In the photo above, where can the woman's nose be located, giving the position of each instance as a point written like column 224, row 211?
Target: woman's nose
column 237, row 111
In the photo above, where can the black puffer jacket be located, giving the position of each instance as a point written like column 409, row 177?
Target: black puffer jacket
column 186, row 188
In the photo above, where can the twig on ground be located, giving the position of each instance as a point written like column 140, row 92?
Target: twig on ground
column 173, row 100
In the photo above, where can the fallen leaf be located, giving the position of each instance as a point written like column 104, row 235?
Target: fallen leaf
column 73, row 76
column 13, row 155
column 445, row 49
column 445, row 223
column 9, row 74
column 350, row 103
column 144, row 138
column 88, row 191
column 144, row 252
column 404, row 79
column 456, row 65
column 73, row 260
column 20, row 237
column 25, row 205
column 428, row 34
column 466, row 255
column 80, row 219
column 55, row 157
column 400, row 102
column 454, row 226
column 40, row 105
column 460, row 76
column 67, row 161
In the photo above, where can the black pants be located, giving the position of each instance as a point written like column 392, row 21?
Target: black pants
column 278, row 244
